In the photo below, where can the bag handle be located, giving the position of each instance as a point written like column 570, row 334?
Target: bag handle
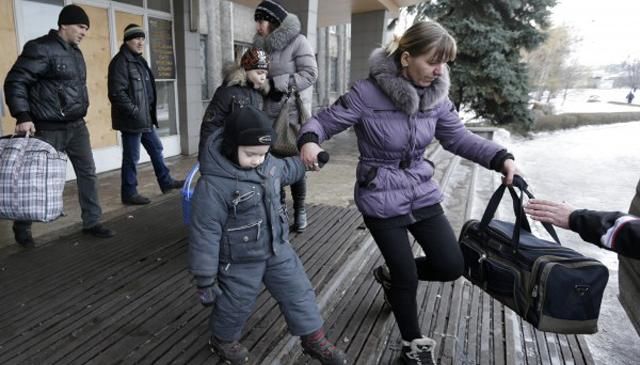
column 303, row 113
column 521, row 217
column 186, row 188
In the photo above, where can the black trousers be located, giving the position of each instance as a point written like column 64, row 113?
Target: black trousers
column 443, row 262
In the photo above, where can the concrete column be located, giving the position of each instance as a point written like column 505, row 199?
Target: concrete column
column 328, row 70
column 226, row 31
column 342, row 55
column 189, row 85
column 219, row 15
column 214, row 46
column 368, row 30
column 307, row 11
column 321, row 51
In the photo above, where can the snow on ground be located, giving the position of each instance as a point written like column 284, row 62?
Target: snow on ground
column 576, row 101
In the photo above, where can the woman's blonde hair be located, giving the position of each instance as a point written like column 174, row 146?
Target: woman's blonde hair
column 425, row 37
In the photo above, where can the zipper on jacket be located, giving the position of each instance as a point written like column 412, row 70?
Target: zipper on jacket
column 240, row 198
column 247, row 226
column 61, row 100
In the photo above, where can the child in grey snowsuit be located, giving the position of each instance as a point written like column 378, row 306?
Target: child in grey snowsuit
column 238, row 239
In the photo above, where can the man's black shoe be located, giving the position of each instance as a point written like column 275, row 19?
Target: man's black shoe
column 99, row 231
column 175, row 184
column 23, row 236
column 136, row 200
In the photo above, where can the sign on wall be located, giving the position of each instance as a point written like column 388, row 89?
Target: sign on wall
column 161, row 46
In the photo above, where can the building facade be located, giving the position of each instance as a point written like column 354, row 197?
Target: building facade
column 188, row 43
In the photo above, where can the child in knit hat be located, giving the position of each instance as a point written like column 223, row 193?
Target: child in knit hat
column 244, row 84
column 239, row 239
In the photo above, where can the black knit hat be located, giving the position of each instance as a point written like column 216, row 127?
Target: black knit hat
column 254, row 59
column 246, row 126
column 271, row 11
column 73, row 14
column 133, row 31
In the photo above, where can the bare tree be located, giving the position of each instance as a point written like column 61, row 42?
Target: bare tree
column 549, row 64
column 632, row 73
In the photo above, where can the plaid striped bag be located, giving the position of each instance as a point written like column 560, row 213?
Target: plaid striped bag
column 32, row 177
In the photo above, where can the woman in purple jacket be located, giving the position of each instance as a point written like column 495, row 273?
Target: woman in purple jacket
column 396, row 113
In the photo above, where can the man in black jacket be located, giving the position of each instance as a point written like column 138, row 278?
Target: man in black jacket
column 132, row 92
column 46, row 91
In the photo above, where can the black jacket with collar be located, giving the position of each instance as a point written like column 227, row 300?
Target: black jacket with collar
column 48, row 83
column 130, row 109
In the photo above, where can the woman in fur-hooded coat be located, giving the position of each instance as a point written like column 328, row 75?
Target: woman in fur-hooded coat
column 293, row 66
column 396, row 113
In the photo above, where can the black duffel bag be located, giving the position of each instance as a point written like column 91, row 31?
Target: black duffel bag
column 554, row 288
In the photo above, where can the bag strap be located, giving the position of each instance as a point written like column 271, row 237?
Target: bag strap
column 521, row 218
column 186, row 188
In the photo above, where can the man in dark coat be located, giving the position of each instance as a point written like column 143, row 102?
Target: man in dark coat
column 132, row 92
column 46, row 91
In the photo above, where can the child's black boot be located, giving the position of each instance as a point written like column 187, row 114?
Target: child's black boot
column 318, row 346
column 233, row 353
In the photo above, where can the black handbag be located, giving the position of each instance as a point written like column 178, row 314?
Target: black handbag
column 285, row 144
column 554, row 288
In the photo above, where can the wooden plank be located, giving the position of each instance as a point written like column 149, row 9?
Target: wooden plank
column 511, row 336
column 576, row 351
column 135, row 328
column 462, row 342
column 498, row 333
column 65, row 312
column 565, row 350
column 486, row 341
column 363, row 318
column 442, row 317
column 475, row 326
column 584, row 348
column 543, row 350
column 531, row 348
column 70, row 256
column 554, row 348
column 451, row 333
column 92, row 265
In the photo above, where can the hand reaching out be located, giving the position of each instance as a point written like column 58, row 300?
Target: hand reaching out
column 549, row 212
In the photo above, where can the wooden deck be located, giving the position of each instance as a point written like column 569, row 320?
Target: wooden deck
column 130, row 300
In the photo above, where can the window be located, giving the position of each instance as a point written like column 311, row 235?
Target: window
column 131, row 2
column 204, row 91
column 332, row 29
column 334, row 74
column 163, row 67
column 166, row 108
column 162, row 5
column 38, row 16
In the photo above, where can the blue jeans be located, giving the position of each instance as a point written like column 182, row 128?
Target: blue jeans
column 131, row 155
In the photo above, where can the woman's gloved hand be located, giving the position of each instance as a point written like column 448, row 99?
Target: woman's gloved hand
column 274, row 94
